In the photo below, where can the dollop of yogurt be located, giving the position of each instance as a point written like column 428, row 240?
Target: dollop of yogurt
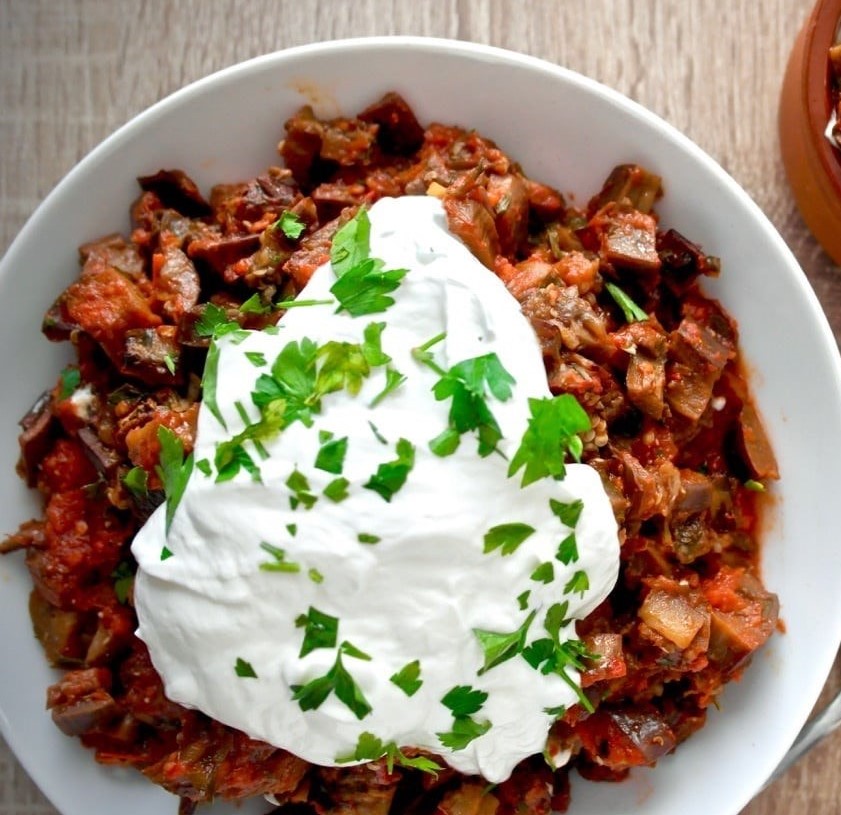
column 409, row 583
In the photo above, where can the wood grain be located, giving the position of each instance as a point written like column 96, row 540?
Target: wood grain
column 71, row 71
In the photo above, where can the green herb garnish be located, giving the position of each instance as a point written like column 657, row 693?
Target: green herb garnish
column 499, row 648
column 123, row 581
column 467, row 384
column 408, row 678
column 137, row 482
column 70, row 379
column 279, row 563
column 362, row 285
column 371, row 748
column 392, row 475
column 393, row 380
column 578, row 583
column 290, row 225
column 337, row 489
column 331, row 456
column 633, row 313
column 365, row 537
column 320, row 630
column 173, row 470
column 256, row 358
column 567, row 513
column 244, row 669
column 464, row 700
column 507, row 537
column 552, row 432
column 568, row 550
column 301, row 493
column 337, row 680
column 544, row 573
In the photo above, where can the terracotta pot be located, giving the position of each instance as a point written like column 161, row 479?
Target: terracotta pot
column 812, row 164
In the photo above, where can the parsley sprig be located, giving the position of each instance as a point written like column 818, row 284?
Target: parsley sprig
column 550, row 655
column 362, row 284
column 173, row 470
column 370, row 748
column 337, row 680
column 463, row 701
column 467, row 384
column 551, row 433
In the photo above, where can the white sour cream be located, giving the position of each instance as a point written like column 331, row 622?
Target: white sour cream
column 417, row 594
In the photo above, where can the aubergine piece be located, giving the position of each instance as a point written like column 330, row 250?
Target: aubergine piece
column 39, row 429
column 755, row 449
column 152, row 355
column 104, row 458
column 59, row 631
column 399, row 131
column 176, row 190
column 683, row 261
column 628, row 184
column 474, row 224
column 81, row 701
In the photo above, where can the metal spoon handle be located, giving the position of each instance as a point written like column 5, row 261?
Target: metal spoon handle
column 814, row 731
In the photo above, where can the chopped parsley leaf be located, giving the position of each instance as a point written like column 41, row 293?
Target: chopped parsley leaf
column 464, row 700
column 578, row 583
column 300, row 487
column 364, row 537
column 371, row 748
column 214, row 322
column 377, row 435
column 337, row 680
column 320, row 630
column 256, row 358
column 173, row 470
column 568, row 550
column 393, row 380
column 362, row 285
column 499, row 648
column 204, row 467
column 523, row 600
column 507, row 537
column 279, row 563
column 352, row 651
column 392, row 475
column 337, row 489
column 464, row 730
column 408, row 678
column 467, row 384
column 255, row 305
column 315, row 576
column 123, row 581
column 633, row 313
column 165, row 553
column 137, row 482
column 567, row 513
column 551, row 433
column 244, row 669
column 290, row 224
column 544, row 573
column 331, row 456
column 70, row 379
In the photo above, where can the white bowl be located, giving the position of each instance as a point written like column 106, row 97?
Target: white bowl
column 565, row 130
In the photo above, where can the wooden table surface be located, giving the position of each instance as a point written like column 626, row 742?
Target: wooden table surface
column 71, row 71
